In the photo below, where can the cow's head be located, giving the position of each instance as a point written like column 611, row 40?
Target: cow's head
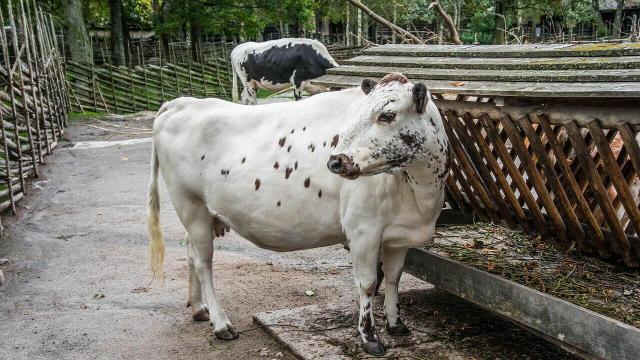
column 390, row 132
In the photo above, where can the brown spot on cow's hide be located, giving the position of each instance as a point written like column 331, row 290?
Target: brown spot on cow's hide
column 243, row 160
column 287, row 172
column 335, row 140
column 395, row 76
column 279, row 203
column 281, row 141
column 289, row 148
column 257, row 184
column 295, row 166
column 320, row 193
column 307, row 182
column 276, row 165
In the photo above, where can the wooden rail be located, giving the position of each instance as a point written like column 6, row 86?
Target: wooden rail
column 33, row 98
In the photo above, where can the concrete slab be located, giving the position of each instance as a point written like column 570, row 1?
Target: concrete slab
column 444, row 327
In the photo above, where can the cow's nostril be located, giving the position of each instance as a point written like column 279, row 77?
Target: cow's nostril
column 335, row 164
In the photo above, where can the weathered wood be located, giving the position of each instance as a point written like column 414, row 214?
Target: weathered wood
column 523, row 89
column 589, row 334
column 456, row 63
column 538, row 76
column 589, row 169
column 510, row 51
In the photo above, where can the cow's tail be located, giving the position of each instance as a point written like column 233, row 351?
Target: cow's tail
column 156, row 240
column 234, row 90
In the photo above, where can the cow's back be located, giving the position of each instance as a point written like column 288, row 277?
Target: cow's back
column 257, row 166
column 282, row 61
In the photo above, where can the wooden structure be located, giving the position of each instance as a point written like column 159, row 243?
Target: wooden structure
column 119, row 89
column 33, row 99
column 543, row 137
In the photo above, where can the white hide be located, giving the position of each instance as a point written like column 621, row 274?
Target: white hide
column 225, row 162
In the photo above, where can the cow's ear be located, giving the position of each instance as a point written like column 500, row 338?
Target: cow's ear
column 420, row 97
column 368, row 85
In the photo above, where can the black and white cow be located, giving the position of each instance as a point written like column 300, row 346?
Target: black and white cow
column 278, row 64
column 262, row 171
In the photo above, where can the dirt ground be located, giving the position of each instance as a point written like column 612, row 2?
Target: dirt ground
column 78, row 285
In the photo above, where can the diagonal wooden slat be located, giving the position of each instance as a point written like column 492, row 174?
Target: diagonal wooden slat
column 556, row 186
column 497, row 170
column 589, row 168
column 536, row 178
column 512, row 170
column 499, row 206
column 473, row 178
column 614, row 172
column 570, row 181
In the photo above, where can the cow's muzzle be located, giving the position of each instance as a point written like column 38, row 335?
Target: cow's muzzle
column 344, row 166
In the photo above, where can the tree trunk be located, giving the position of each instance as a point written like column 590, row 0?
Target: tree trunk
column 498, row 31
column 194, row 36
column 158, row 11
column 76, row 34
column 595, row 4
column 117, row 37
column 617, row 23
column 379, row 19
column 359, row 32
column 126, row 39
column 453, row 32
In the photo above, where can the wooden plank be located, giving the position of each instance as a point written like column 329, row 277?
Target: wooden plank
column 563, row 63
column 526, row 50
column 605, row 75
column 584, row 332
column 522, row 89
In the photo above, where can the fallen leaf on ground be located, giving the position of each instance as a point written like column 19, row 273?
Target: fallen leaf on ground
column 457, row 83
column 140, row 290
column 98, row 296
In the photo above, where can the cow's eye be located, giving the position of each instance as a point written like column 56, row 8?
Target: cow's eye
column 387, row 117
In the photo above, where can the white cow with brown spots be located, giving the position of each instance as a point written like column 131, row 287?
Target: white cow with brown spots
column 262, row 171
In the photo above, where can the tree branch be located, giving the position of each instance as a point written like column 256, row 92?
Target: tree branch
column 453, row 32
column 395, row 28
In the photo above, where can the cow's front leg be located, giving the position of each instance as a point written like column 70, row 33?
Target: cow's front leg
column 393, row 262
column 365, row 265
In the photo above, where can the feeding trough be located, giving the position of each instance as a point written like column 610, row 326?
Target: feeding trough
column 545, row 141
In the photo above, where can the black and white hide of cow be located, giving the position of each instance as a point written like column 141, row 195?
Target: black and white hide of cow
column 278, row 64
column 365, row 165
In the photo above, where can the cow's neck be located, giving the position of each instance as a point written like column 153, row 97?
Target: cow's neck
column 425, row 185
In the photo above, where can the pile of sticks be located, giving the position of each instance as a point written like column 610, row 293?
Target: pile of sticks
column 33, row 96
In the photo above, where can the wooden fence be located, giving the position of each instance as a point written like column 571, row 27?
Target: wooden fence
column 120, row 89
column 33, row 97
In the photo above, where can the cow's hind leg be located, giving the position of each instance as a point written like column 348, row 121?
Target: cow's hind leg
column 365, row 265
column 393, row 264
column 199, row 310
column 200, row 225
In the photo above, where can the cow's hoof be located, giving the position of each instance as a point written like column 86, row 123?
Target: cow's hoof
column 399, row 330
column 226, row 334
column 201, row 315
column 374, row 348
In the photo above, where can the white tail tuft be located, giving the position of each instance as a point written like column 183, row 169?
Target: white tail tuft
column 156, row 240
